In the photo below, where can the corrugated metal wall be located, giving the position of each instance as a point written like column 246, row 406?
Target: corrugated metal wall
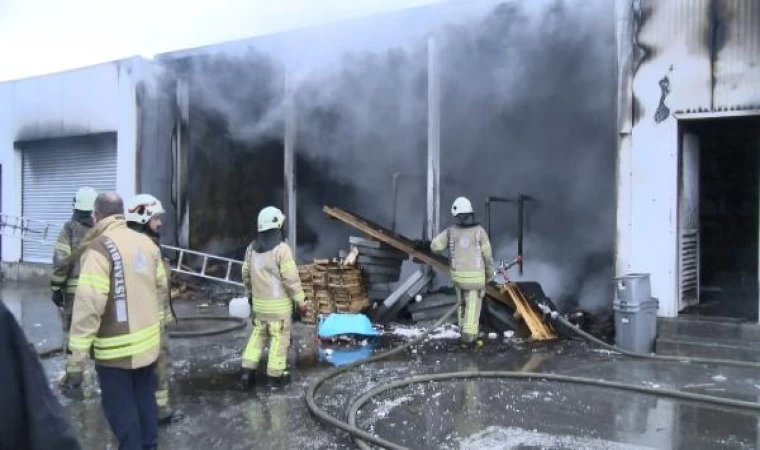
column 53, row 171
column 708, row 49
column 737, row 61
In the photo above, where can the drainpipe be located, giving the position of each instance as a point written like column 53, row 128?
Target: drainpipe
column 396, row 177
column 290, row 159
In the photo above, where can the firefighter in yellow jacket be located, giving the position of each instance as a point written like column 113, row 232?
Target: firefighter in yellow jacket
column 471, row 265
column 271, row 277
column 143, row 215
column 65, row 268
column 116, row 315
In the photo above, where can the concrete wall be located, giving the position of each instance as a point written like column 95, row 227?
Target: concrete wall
column 94, row 99
column 675, row 58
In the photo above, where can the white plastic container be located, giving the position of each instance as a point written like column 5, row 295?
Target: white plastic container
column 239, row 307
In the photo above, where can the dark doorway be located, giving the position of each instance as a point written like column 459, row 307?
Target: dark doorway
column 729, row 223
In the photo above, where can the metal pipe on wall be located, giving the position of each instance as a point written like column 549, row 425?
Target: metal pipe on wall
column 396, row 177
column 434, row 143
column 490, row 199
column 289, row 143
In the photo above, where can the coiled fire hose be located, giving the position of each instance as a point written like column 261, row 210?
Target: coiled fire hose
column 362, row 437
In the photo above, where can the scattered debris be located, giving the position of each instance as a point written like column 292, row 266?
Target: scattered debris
column 447, row 331
column 701, row 385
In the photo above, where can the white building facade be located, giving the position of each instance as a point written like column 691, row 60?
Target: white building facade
column 684, row 66
column 62, row 131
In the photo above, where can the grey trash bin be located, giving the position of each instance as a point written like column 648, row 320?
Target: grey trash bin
column 636, row 325
column 633, row 288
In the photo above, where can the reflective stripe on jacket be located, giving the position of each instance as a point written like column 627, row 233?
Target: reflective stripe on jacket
column 117, row 304
column 272, row 279
column 65, row 268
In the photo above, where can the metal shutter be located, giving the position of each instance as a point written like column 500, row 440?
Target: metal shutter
column 53, row 170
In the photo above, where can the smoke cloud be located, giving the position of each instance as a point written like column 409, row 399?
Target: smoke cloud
column 528, row 106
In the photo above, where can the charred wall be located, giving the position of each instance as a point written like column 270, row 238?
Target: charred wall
column 157, row 119
column 528, row 107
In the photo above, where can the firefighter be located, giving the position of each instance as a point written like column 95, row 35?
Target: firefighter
column 116, row 315
column 471, row 266
column 143, row 214
column 271, row 278
column 65, row 267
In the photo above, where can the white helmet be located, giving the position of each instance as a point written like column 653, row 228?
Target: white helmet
column 142, row 208
column 461, row 206
column 84, row 200
column 270, row 218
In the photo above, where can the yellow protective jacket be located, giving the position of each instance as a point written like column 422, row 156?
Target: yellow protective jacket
column 471, row 260
column 272, row 279
column 117, row 303
column 66, row 268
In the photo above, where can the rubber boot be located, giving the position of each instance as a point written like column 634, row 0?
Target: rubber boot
column 166, row 417
column 248, row 378
column 278, row 382
column 477, row 344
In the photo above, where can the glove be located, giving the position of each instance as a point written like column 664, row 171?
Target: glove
column 58, row 298
column 303, row 310
column 422, row 244
column 250, row 300
column 72, row 385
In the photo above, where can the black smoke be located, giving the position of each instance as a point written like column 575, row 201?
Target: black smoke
column 528, row 106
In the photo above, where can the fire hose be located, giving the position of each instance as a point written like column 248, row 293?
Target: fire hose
column 362, row 437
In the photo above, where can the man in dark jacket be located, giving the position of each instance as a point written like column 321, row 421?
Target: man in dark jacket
column 30, row 415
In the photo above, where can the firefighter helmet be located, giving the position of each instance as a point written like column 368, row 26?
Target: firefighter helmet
column 142, row 208
column 461, row 206
column 270, row 218
column 84, row 200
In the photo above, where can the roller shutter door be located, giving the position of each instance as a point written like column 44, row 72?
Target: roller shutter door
column 53, row 170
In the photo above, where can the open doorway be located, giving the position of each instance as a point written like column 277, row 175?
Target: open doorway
column 719, row 217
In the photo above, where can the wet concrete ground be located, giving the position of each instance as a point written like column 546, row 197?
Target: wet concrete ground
column 483, row 414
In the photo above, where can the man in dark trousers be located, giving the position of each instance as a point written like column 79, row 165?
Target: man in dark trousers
column 30, row 415
column 116, row 315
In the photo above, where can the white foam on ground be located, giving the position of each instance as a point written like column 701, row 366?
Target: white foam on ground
column 383, row 408
column 719, row 378
column 442, row 332
column 493, row 438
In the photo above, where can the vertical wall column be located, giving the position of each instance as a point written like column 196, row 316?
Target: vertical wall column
column 290, row 163
column 434, row 143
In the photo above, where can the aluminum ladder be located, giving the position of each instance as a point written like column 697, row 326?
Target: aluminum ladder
column 206, row 258
column 24, row 229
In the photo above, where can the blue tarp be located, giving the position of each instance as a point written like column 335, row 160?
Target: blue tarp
column 343, row 356
column 336, row 325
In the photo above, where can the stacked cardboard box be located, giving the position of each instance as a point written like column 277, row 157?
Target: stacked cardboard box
column 307, row 282
column 332, row 287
